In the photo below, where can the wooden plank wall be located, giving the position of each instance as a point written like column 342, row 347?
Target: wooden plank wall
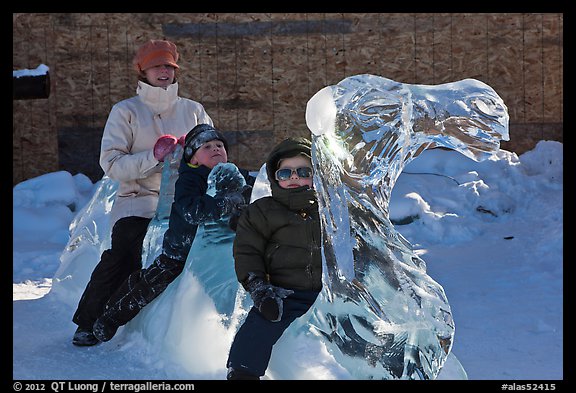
column 254, row 73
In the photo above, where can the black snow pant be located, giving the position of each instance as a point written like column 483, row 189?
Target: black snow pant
column 116, row 264
column 141, row 287
column 252, row 347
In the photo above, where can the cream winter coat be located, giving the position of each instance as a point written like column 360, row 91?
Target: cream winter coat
column 131, row 131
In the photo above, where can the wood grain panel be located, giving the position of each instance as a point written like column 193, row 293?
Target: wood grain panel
column 254, row 72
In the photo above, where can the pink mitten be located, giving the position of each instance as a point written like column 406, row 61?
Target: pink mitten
column 164, row 146
column 182, row 140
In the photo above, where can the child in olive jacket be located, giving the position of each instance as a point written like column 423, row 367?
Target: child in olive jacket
column 277, row 258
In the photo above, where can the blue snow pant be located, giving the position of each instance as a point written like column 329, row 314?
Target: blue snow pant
column 116, row 264
column 252, row 346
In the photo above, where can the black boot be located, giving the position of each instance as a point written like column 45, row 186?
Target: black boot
column 84, row 337
column 104, row 329
column 238, row 374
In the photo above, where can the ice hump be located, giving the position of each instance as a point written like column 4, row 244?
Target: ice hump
column 380, row 314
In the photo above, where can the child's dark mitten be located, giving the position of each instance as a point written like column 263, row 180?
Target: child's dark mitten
column 267, row 298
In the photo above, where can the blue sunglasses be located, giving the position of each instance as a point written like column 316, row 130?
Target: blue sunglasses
column 286, row 173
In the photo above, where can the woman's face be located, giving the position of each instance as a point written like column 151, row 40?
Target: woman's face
column 160, row 76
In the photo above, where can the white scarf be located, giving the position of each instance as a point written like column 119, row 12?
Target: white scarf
column 158, row 99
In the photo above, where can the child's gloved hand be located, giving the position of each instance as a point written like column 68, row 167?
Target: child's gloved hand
column 267, row 298
column 234, row 203
column 246, row 192
column 165, row 145
column 237, row 209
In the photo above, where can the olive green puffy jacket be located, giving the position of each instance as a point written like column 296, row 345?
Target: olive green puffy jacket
column 278, row 237
column 279, row 242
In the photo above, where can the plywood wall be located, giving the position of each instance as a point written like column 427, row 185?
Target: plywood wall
column 254, row 73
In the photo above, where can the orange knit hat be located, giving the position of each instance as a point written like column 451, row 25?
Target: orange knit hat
column 155, row 53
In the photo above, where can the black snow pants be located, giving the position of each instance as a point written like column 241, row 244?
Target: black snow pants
column 116, row 264
column 141, row 287
column 252, row 347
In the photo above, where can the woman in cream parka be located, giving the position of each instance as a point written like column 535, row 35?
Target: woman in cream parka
column 139, row 133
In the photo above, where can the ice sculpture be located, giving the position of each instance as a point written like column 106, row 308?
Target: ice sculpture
column 380, row 314
column 89, row 237
column 192, row 323
column 210, row 258
column 152, row 245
